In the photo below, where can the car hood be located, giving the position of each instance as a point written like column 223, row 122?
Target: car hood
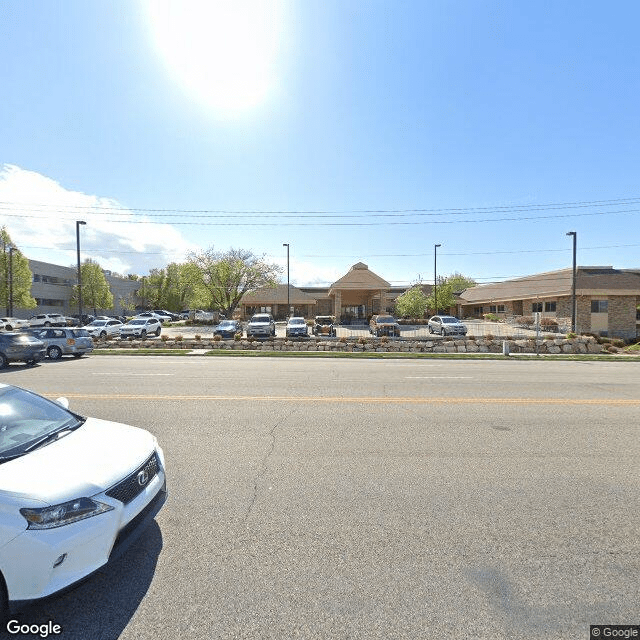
column 254, row 323
column 89, row 460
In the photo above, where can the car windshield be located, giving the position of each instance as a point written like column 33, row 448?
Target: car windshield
column 450, row 320
column 80, row 333
column 260, row 319
column 97, row 323
column 26, row 418
column 385, row 320
column 227, row 324
column 136, row 322
column 324, row 320
column 296, row 321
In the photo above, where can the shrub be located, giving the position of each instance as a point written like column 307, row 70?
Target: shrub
column 362, row 340
column 489, row 336
column 524, row 320
column 238, row 336
column 618, row 342
column 342, row 339
column 384, row 339
column 491, row 317
column 178, row 338
column 216, row 338
column 164, row 337
column 571, row 335
column 549, row 323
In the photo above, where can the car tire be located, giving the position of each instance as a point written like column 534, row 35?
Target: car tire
column 143, row 334
column 430, row 329
column 8, row 327
column 443, row 333
column 54, row 353
column 158, row 332
column 47, row 324
column 4, row 362
column 103, row 335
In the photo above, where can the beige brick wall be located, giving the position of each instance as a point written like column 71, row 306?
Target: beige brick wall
column 622, row 316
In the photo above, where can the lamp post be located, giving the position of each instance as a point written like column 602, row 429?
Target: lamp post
column 574, row 309
column 78, row 223
column 284, row 244
column 10, row 311
column 435, row 277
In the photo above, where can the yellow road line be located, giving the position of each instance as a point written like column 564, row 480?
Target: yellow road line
column 357, row 399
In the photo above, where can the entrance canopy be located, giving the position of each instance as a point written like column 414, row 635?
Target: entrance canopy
column 359, row 293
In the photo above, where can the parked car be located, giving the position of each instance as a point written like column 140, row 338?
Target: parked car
column 384, row 326
column 324, row 325
column 228, row 329
column 447, row 325
column 49, row 320
column 104, row 328
column 60, row 341
column 20, row 347
column 163, row 312
column 86, row 319
column 141, row 328
column 10, row 324
column 152, row 314
column 75, row 492
column 261, row 324
column 296, row 326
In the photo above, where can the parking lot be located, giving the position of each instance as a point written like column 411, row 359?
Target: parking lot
column 367, row 499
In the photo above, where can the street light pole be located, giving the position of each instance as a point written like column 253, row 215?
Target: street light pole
column 435, row 277
column 284, row 244
column 574, row 309
column 11, row 249
column 78, row 223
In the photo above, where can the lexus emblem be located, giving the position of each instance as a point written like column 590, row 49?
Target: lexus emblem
column 143, row 478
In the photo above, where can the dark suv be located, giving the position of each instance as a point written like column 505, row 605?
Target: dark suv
column 323, row 326
column 20, row 347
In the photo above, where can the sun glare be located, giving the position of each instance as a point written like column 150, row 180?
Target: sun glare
column 221, row 52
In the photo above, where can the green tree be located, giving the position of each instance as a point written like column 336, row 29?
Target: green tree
column 459, row 282
column 15, row 276
column 412, row 303
column 445, row 294
column 96, row 292
column 226, row 276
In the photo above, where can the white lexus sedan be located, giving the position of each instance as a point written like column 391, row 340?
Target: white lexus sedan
column 74, row 493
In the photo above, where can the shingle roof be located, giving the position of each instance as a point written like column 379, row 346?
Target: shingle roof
column 277, row 295
column 557, row 283
column 360, row 277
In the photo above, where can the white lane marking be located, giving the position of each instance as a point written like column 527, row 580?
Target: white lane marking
column 438, row 377
column 128, row 374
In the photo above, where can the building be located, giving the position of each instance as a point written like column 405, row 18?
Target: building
column 52, row 288
column 607, row 299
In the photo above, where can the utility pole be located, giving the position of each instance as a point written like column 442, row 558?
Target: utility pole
column 435, row 277
column 78, row 223
column 574, row 307
column 284, row 244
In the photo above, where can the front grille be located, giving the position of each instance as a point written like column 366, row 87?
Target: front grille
column 134, row 484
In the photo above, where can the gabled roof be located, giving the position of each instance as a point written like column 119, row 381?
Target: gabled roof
column 589, row 280
column 277, row 295
column 359, row 277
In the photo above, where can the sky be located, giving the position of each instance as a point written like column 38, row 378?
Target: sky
column 361, row 131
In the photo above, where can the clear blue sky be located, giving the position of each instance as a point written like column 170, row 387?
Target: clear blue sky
column 469, row 111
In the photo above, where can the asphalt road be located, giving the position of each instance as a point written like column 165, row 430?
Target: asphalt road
column 367, row 499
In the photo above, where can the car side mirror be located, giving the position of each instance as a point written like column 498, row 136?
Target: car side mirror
column 64, row 402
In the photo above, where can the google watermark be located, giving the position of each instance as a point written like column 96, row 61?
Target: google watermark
column 598, row 631
column 44, row 630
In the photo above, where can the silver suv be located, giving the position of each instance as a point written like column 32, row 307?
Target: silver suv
column 261, row 324
column 447, row 326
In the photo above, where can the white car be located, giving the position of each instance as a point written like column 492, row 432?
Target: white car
column 74, row 493
column 10, row 324
column 104, row 328
column 153, row 314
column 48, row 320
column 141, row 328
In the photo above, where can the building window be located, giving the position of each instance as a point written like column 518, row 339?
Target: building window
column 477, row 311
column 550, row 306
column 501, row 308
column 599, row 306
column 36, row 277
column 536, row 307
column 493, row 308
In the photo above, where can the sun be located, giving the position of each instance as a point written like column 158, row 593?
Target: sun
column 222, row 52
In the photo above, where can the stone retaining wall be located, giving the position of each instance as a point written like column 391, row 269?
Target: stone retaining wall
column 583, row 344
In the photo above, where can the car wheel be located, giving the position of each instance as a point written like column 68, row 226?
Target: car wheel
column 158, row 332
column 143, row 334
column 103, row 335
column 4, row 363
column 54, row 353
column 430, row 329
column 443, row 333
column 8, row 327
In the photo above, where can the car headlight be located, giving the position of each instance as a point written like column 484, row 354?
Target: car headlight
column 61, row 514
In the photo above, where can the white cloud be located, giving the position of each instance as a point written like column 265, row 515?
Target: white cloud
column 40, row 216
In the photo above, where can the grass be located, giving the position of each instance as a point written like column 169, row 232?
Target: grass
column 141, row 352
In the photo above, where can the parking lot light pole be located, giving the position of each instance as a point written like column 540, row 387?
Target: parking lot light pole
column 78, row 223
column 435, row 277
column 574, row 310
column 284, row 244
column 10, row 312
